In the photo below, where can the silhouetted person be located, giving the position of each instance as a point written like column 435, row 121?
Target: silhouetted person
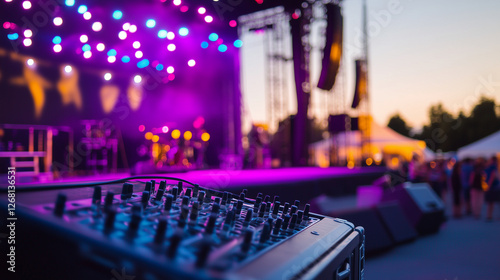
column 467, row 168
column 476, row 181
column 456, row 188
column 493, row 193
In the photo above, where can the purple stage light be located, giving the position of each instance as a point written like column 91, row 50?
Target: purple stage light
column 6, row 25
column 84, row 38
column 184, row 9
column 164, row 129
column 27, row 5
column 87, row 15
column 58, row 21
column 233, row 23
column 122, row 35
column 28, row 33
column 97, row 26
column 27, row 42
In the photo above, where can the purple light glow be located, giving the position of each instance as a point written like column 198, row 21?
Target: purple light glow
column 58, row 21
column 84, row 38
column 6, row 25
column 233, row 23
column 184, row 9
column 27, row 5
column 164, row 129
column 97, row 26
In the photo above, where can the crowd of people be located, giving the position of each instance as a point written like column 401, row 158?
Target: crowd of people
column 472, row 182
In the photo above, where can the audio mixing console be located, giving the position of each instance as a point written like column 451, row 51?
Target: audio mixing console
column 159, row 229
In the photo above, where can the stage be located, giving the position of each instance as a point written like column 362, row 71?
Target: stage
column 290, row 184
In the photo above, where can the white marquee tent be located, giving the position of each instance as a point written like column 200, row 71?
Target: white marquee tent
column 487, row 147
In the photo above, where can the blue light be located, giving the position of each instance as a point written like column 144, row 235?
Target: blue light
column 117, row 14
column 238, row 43
column 82, row 9
column 213, row 37
column 86, row 48
column 125, row 59
column 183, row 31
column 143, row 63
column 162, row 34
column 70, row 3
column 112, row 52
column 222, row 48
column 56, row 40
column 13, row 36
column 150, row 23
column 159, row 67
column 204, row 44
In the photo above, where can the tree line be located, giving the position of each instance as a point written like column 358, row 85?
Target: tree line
column 447, row 132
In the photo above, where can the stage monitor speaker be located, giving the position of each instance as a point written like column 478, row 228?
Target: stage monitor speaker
column 377, row 236
column 422, row 206
column 333, row 47
column 396, row 222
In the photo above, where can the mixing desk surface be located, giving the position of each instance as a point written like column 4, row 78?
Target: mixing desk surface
column 173, row 229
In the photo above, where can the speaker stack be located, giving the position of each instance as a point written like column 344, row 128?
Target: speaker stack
column 403, row 214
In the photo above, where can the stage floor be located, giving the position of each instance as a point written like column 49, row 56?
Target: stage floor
column 302, row 183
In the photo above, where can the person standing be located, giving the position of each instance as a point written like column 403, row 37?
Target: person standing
column 476, row 185
column 492, row 195
column 456, row 188
column 467, row 168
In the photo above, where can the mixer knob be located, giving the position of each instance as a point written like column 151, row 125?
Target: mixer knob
column 276, row 198
column 297, row 203
column 163, row 185
column 60, row 205
column 201, row 196
column 277, row 226
column 96, row 196
column 229, row 218
column 215, row 208
column 168, row 202
column 248, row 217
column 175, row 241
column 203, row 253
column 276, row 207
column 108, row 200
column 247, row 241
column 264, row 235
column 127, row 190
column 257, row 203
column 286, row 221
column 148, row 188
column 285, row 208
column 179, row 186
column 262, row 209
column 293, row 210
column 260, row 195
column 242, row 196
column 175, row 192
column 194, row 211
column 211, row 223
column 188, row 192
column 109, row 222
column 160, row 231
column 239, row 206
column 159, row 194
column 300, row 216
column 145, row 199
column 293, row 221
column 195, row 190
column 185, row 200
column 306, row 211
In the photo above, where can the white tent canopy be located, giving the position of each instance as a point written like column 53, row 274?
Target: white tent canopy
column 487, row 147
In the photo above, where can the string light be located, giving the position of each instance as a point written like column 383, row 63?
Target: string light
column 97, row 26
column 107, row 76
column 58, row 21
column 84, row 38
column 87, row 15
column 28, row 33
column 57, row 48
